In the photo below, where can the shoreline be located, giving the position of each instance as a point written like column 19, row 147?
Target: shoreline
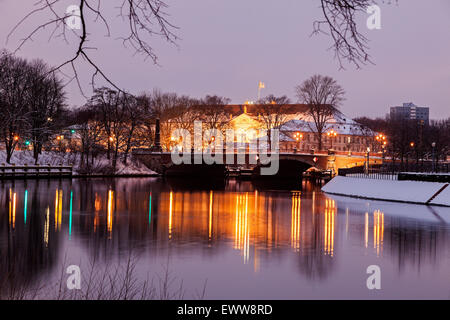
column 82, row 176
column 400, row 191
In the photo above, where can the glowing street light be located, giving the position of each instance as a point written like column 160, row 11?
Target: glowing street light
column 368, row 161
column 298, row 136
column 381, row 137
column 331, row 134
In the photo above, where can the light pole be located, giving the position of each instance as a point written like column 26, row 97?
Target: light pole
column 349, row 141
column 298, row 136
column 368, row 160
column 433, row 165
column 331, row 134
column 381, row 138
column 412, row 145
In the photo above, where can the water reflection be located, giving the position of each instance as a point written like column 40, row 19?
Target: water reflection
column 105, row 218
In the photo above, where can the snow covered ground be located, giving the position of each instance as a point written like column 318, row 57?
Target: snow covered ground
column 391, row 190
column 58, row 158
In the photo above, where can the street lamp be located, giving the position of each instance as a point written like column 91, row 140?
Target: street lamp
column 433, row 165
column 298, row 136
column 412, row 145
column 368, row 159
column 381, row 138
column 331, row 134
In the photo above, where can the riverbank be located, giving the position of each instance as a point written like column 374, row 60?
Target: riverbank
column 418, row 192
column 100, row 167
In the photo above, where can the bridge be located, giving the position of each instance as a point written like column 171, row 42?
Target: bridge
column 291, row 165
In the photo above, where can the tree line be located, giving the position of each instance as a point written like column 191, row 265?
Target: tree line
column 32, row 104
column 412, row 139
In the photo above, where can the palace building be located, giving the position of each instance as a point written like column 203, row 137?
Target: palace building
column 298, row 131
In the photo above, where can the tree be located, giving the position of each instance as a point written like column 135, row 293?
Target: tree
column 212, row 111
column 104, row 101
column 45, row 102
column 272, row 112
column 146, row 130
column 323, row 95
column 113, row 113
column 134, row 118
column 89, row 129
column 174, row 112
column 13, row 101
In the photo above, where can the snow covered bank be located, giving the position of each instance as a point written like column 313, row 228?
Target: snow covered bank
column 405, row 191
column 21, row 158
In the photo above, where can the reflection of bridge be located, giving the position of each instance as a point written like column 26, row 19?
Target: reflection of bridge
column 290, row 164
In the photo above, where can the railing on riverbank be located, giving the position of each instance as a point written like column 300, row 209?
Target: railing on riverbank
column 438, row 173
column 34, row 171
column 373, row 173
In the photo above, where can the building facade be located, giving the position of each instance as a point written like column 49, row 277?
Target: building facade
column 409, row 111
column 297, row 130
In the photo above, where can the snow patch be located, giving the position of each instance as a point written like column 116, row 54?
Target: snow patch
column 21, row 158
column 391, row 190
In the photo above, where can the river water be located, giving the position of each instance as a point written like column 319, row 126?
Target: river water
column 225, row 240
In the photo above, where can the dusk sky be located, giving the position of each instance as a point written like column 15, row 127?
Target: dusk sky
column 226, row 47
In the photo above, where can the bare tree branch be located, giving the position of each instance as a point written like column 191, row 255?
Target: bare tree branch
column 146, row 19
column 339, row 22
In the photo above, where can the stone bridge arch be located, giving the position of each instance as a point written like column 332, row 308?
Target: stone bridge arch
column 290, row 167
